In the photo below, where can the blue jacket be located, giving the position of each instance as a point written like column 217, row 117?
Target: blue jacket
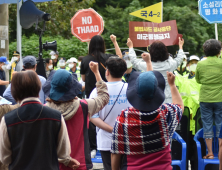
column 8, row 95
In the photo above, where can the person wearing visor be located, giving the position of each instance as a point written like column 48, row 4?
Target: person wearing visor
column 3, row 82
column 54, row 57
column 192, row 65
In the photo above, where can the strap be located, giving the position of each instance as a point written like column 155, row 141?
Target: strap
column 103, row 65
column 113, row 104
column 100, row 62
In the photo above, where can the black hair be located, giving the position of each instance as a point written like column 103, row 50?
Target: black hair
column 80, row 58
column 158, row 51
column 97, row 46
column 29, row 66
column 212, row 47
column 116, row 66
column 47, row 60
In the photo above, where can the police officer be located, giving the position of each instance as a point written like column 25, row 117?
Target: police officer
column 15, row 63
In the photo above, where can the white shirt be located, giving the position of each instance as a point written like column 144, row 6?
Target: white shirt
column 104, row 138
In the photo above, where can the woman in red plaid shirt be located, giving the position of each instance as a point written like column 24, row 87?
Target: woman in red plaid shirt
column 142, row 133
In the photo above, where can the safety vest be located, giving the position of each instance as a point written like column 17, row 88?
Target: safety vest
column 77, row 72
column 13, row 68
column 189, row 90
column 183, row 74
column 56, row 68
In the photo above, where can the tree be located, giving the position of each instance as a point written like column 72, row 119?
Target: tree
column 117, row 23
column 61, row 13
column 191, row 25
column 67, row 47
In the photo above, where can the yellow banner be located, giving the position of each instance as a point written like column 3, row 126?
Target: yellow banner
column 151, row 13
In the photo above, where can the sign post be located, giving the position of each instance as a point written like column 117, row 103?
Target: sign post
column 86, row 23
column 211, row 11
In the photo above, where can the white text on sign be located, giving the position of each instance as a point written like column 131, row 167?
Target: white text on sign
column 87, row 29
column 153, row 36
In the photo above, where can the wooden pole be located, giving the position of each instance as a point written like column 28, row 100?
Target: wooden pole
column 4, row 37
column 4, row 44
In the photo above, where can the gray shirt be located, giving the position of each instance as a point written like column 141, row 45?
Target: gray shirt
column 17, row 67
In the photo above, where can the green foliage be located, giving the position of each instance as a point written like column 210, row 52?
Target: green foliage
column 116, row 17
column 61, row 12
column 117, row 23
column 193, row 30
column 67, row 47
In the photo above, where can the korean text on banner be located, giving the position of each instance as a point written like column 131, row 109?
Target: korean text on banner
column 211, row 11
column 145, row 33
column 151, row 13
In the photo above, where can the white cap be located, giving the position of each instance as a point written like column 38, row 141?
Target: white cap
column 73, row 60
column 194, row 57
column 52, row 53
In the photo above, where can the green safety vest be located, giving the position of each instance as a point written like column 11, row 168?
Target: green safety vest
column 78, row 74
column 189, row 90
column 67, row 68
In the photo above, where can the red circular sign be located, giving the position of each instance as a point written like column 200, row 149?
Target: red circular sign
column 86, row 23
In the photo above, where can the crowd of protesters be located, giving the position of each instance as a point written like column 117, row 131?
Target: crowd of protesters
column 126, row 108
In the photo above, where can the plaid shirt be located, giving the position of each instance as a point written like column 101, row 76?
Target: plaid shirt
column 141, row 133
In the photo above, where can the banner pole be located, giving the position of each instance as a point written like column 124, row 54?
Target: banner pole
column 216, row 32
column 162, row 11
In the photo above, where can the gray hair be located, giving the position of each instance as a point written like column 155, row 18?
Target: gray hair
column 212, row 47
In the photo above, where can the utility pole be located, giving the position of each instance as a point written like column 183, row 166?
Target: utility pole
column 4, row 38
column 4, row 44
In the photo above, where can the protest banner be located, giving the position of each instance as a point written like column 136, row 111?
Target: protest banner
column 145, row 33
column 86, row 23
